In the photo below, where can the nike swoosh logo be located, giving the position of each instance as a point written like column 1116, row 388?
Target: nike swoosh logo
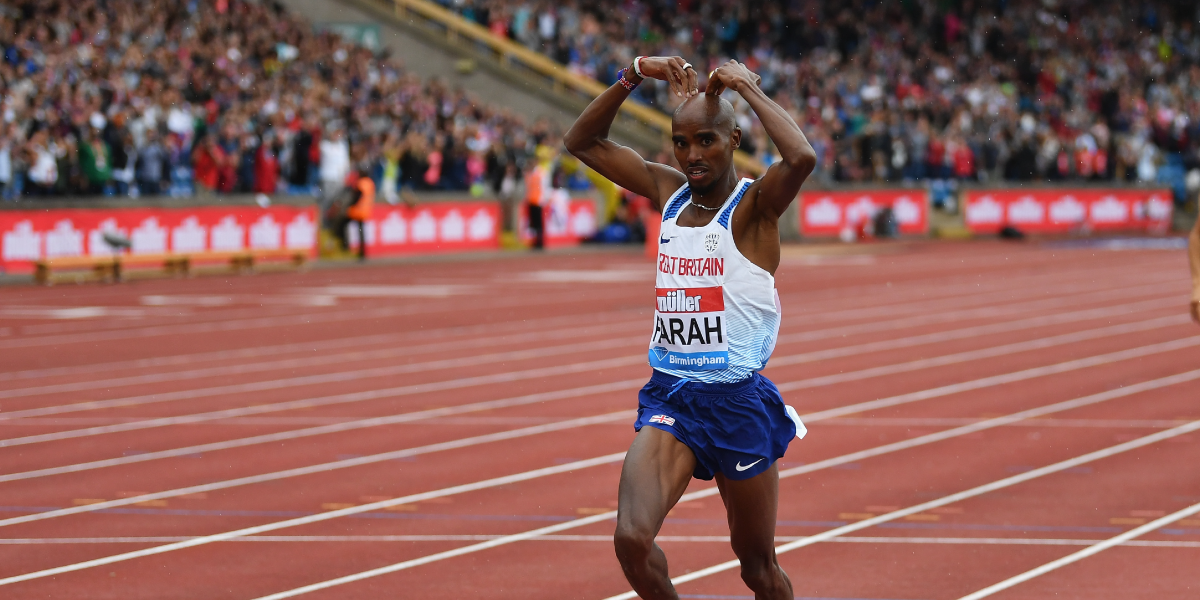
column 663, row 240
column 739, row 466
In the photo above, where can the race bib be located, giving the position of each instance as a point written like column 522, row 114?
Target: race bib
column 689, row 330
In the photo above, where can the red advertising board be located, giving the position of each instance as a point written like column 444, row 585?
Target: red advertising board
column 567, row 222
column 1064, row 210
column 429, row 228
column 824, row 213
column 29, row 235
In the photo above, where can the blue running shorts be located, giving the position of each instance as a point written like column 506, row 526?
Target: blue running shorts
column 738, row 429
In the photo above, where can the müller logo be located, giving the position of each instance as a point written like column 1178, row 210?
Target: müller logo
column 679, row 301
column 690, row 300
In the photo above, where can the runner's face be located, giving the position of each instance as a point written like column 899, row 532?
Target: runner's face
column 703, row 149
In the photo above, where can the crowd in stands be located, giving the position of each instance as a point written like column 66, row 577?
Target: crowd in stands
column 970, row 90
column 147, row 97
column 219, row 96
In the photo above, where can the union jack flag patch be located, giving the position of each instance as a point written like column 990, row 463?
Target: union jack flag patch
column 664, row 419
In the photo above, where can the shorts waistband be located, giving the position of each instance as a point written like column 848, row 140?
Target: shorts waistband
column 673, row 383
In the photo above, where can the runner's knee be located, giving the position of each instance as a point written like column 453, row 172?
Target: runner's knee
column 760, row 574
column 632, row 542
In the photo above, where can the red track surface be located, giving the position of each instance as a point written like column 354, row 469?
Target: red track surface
column 129, row 374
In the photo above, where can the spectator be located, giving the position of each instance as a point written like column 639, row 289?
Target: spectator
column 414, row 162
column 150, row 161
column 390, row 181
column 208, row 159
column 247, row 161
column 335, row 165
column 962, row 157
column 6, row 167
column 43, row 170
column 229, row 159
column 124, row 157
column 96, row 163
column 266, row 166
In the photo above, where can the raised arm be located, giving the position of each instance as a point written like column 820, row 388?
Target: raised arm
column 780, row 184
column 1194, row 259
column 588, row 138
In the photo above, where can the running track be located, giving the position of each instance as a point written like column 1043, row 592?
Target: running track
column 986, row 420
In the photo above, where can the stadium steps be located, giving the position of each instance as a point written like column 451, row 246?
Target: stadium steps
column 430, row 53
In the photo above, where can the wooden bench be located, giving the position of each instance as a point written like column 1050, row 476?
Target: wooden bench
column 118, row 267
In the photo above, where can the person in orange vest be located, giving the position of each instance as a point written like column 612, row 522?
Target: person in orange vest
column 362, row 201
column 537, row 193
column 534, row 188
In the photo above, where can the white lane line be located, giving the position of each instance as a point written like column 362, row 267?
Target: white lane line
column 888, row 539
column 606, row 539
column 357, row 342
column 982, row 312
column 334, row 514
column 792, row 338
column 609, row 459
column 451, row 421
column 569, row 329
column 979, row 330
column 1008, row 542
column 227, row 316
column 1095, row 548
column 225, row 324
column 985, row 312
column 327, row 467
column 808, row 357
column 326, row 378
column 1015, row 376
column 793, row 359
column 811, row 417
column 590, row 390
column 1043, row 284
column 820, row 465
column 952, row 498
column 993, row 352
column 974, row 294
column 297, row 319
column 804, row 383
column 325, row 359
column 1048, row 423
column 216, row 326
column 628, row 384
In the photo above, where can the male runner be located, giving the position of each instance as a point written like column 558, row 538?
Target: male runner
column 706, row 412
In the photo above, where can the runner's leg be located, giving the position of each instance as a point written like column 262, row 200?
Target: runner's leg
column 655, row 474
column 751, row 505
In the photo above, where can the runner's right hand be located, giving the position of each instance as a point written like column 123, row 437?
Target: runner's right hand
column 670, row 69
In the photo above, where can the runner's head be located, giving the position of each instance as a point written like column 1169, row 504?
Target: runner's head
column 704, row 133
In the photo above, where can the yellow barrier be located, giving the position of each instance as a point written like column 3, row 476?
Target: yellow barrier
column 510, row 52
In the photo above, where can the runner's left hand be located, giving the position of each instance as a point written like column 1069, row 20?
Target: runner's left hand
column 731, row 75
column 673, row 70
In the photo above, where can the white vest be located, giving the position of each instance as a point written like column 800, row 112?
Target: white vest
column 717, row 313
